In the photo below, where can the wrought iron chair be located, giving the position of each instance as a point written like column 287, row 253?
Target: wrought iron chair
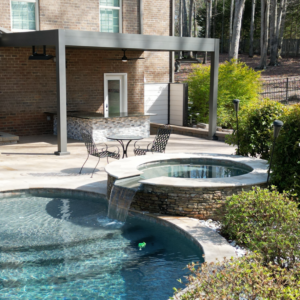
column 158, row 145
column 92, row 150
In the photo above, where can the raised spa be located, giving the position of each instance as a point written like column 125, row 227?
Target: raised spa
column 193, row 185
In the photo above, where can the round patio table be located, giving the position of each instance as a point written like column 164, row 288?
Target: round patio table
column 121, row 137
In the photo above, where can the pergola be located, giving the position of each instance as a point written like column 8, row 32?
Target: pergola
column 60, row 39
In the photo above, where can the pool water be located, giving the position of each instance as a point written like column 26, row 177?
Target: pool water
column 66, row 248
column 173, row 168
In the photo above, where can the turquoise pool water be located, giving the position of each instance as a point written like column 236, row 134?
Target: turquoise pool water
column 65, row 248
column 192, row 168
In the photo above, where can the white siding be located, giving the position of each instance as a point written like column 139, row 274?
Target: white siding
column 176, row 104
column 156, row 101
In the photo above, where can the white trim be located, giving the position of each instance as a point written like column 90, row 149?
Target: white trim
column 123, row 92
column 37, row 16
column 119, row 8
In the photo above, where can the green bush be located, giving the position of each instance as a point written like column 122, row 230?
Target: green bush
column 236, row 81
column 264, row 221
column 244, row 278
column 256, row 128
column 286, row 160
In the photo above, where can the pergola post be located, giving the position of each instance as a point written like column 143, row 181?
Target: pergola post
column 61, row 86
column 213, row 95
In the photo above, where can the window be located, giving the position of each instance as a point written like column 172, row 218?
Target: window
column 110, row 16
column 24, row 15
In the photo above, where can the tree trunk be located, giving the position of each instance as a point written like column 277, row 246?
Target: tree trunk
column 208, row 24
column 215, row 16
column 195, row 20
column 195, row 26
column 237, row 25
column 273, row 35
column 252, row 28
column 222, row 45
column 184, row 19
column 180, row 25
column 191, row 23
column 230, row 24
column 265, row 12
column 281, row 31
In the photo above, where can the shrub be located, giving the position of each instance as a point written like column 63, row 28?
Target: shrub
column 286, row 160
column 256, row 128
column 236, row 80
column 244, row 278
column 264, row 221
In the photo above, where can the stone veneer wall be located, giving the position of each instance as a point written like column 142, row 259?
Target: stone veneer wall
column 200, row 203
column 101, row 128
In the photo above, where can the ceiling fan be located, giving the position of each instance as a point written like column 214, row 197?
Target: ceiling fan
column 124, row 58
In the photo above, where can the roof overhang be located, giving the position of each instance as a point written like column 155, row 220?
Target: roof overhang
column 92, row 39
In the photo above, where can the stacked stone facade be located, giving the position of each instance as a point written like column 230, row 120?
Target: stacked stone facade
column 28, row 88
column 201, row 203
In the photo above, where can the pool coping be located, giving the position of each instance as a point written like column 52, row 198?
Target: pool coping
column 213, row 245
column 129, row 168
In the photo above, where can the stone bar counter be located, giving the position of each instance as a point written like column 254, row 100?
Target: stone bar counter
column 100, row 127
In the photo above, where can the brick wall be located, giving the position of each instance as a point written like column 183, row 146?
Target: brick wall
column 5, row 14
column 131, row 16
column 28, row 88
column 77, row 15
column 157, row 20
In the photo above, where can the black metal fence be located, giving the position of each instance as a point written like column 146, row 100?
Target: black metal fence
column 286, row 90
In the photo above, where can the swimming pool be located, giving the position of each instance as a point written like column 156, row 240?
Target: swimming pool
column 60, row 247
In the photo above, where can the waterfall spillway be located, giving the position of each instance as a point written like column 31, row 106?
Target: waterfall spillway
column 121, row 196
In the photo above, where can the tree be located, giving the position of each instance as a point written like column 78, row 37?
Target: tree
column 236, row 33
column 180, row 24
column 282, row 13
column 208, row 24
column 264, row 34
column 230, row 23
column 273, row 33
column 195, row 20
column 252, row 28
column 184, row 18
column 192, row 2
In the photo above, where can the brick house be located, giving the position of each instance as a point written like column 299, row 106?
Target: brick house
column 91, row 70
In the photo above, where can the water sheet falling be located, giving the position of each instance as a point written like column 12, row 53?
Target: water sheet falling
column 121, row 197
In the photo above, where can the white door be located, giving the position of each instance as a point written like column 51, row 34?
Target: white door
column 115, row 94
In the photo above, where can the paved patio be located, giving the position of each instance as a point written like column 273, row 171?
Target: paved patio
column 31, row 163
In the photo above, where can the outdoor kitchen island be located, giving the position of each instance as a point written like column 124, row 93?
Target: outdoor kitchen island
column 100, row 127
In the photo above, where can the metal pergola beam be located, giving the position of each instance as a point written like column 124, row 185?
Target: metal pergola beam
column 61, row 39
column 213, row 94
column 61, row 87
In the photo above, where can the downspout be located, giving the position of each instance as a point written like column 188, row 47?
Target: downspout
column 141, row 17
column 172, row 53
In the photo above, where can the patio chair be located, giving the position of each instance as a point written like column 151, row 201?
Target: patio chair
column 158, row 145
column 92, row 150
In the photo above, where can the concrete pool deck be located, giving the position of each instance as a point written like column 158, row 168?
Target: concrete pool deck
column 31, row 164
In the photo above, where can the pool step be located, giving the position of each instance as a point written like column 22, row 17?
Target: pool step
column 90, row 258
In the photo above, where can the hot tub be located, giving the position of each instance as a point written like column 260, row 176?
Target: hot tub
column 193, row 185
